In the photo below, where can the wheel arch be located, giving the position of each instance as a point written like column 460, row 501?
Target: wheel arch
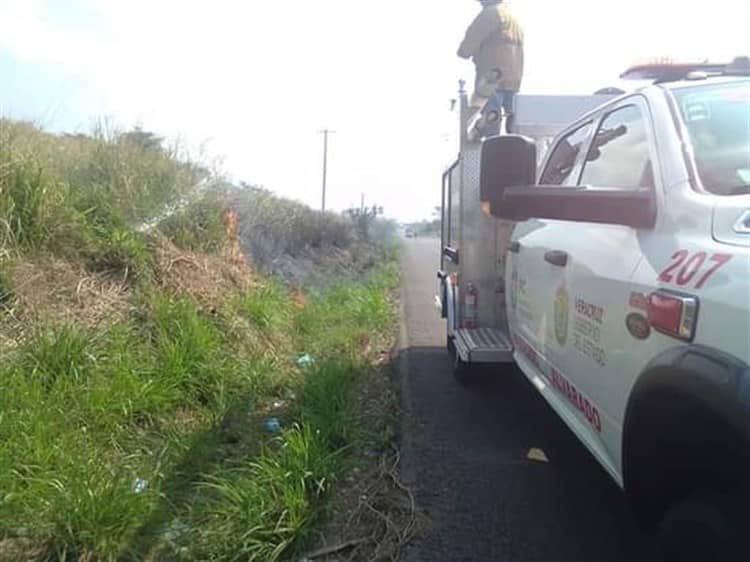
column 687, row 426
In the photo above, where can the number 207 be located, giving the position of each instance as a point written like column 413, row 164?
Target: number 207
column 685, row 267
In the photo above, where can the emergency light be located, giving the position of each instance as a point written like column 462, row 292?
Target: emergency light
column 673, row 72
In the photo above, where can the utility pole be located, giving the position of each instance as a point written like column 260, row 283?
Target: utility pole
column 325, row 133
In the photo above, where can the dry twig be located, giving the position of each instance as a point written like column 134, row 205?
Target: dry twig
column 336, row 548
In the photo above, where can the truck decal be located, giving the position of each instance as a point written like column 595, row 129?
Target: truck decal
column 639, row 301
column 578, row 399
column 529, row 352
column 590, row 311
column 587, row 331
column 638, row 326
column 561, row 315
column 560, row 383
column 690, row 266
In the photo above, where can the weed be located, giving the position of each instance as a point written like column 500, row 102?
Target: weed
column 121, row 252
column 266, row 306
column 65, row 473
column 325, row 404
column 92, row 505
column 349, row 314
column 172, row 395
column 29, row 200
column 198, row 227
column 54, row 355
column 258, row 512
column 136, row 178
column 6, row 289
column 85, row 194
column 83, row 416
column 124, row 390
column 188, row 349
column 277, row 226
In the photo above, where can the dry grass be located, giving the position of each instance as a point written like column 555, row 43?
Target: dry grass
column 207, row 278
column 53, row 292
column 56, row 292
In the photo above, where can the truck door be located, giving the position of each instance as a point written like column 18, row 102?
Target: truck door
column 585, row 270
column 534, row 282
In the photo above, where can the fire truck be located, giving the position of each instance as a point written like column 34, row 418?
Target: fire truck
column 603, row 249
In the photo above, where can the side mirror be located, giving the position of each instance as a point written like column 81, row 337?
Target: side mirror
column 507, row 161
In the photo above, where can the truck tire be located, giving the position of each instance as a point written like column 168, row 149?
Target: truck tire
column 703, row 529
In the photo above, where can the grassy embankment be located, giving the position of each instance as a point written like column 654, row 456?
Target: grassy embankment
column 137, row 369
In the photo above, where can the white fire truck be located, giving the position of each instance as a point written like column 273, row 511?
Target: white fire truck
column 604, row 248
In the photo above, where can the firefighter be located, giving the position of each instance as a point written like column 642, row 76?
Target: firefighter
column 494, row 41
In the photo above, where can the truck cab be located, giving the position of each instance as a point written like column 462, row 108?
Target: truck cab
column 626, row 280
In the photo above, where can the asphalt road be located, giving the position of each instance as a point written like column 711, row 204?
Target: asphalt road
column 465, row 452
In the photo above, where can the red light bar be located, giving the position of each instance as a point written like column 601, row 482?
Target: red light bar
column 660, row 72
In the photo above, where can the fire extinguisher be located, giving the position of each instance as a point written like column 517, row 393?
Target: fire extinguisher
column 471, row 312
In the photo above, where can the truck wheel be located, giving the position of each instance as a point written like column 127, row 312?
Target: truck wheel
column 703, row 529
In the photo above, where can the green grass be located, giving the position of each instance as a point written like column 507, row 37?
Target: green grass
column 171, row 400
column 85, row 196
column 199, row 226
column 59, row 356
column 348, row 314
column 30, row 201
column 68, row 471
column 174, row 392
column 188, row 350
column 261, row 510
column 267, row 306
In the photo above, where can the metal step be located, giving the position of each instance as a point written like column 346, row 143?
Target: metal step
column 483, row 345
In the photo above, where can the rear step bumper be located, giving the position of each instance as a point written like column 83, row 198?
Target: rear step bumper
column 483, row 345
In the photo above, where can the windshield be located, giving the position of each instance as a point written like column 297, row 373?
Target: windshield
column 717, row 118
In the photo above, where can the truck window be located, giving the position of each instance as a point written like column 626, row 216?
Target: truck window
column 717, row 118
column 564, row 157
column 619, row 154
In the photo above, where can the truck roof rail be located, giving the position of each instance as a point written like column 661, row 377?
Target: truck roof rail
column 671, row 72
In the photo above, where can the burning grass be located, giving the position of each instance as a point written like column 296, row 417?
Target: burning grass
column 110, row 435
column 139, row 365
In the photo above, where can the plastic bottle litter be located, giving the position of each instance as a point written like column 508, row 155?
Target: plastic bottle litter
column 139, row 485
column 305, row 361
column 272, row 425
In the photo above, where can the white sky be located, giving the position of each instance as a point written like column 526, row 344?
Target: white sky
column 258, row 78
